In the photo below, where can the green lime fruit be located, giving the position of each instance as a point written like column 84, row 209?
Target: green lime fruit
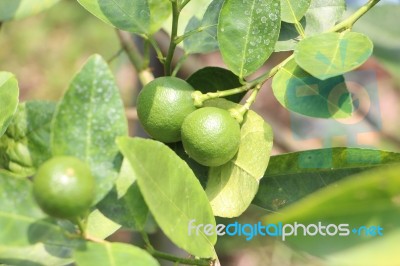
column 211, row 136
column 64, row 187
column 162, row 105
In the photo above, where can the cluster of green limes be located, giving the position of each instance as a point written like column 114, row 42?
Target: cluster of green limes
column 166, row 111
column 64, row 187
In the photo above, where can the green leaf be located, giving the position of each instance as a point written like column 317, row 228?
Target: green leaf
column 111, row 254
column 372, row 253
column 193, row 8
column 302, row 93
column 331, row 54
column 205, row 40
column 100, row 226
column 323, row 15
column 88, row 119
column 247, row 33
column 26, row 230
column 200, row 171
column 172, row 192
column 125, row 204
column 26, row 144
column 232, row 186
column 377, row 24
column 367, row 199
column 200, row 42
column 132, row 16
column 9, row 93
column 17, row 9
column 292, row 176
column 16, row 216
column 288, row 37
column 34, row 255
column 212, row 79
column 293, row 10
column 320, row 17
column 160, row 10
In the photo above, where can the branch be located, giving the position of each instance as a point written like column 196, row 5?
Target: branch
column 127, row 43
column 174, row 33
column 349, row 22
column 258, row 82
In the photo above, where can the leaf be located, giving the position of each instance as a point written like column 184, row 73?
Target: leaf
column 292, row 176
column 25, row 228
column 88, row 119
column 288, row 37
column 212, row 79
column 302, row 93
column 125, row 204
column 377, row 24
column 371, row 253
column 200, row 42
column 232, row 186
column 320, row 17
column 367, row 199
column 100, row 226
column 26, row 144
column 132, row 16
column 193, row 8
column 17, row 9
column 247, row 33
column 9, row 93
column 293, row 10
column 160, row 10
column 205, row 40
column 110, row 254
column 172, row 192
column 332, row 54
column 323, row 15
column 200, row 171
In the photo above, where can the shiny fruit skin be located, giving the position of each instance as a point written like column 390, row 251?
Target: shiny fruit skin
column 64, row 187
column 211, row 136
column 162, row 105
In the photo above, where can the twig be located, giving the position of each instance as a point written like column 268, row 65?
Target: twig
column 145, row 75
column 174, row 33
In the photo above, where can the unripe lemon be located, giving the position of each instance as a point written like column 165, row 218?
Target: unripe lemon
column 64, row 187
column 211, row 136
column 162, row 105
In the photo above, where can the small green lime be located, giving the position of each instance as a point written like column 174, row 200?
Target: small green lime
column 64, row 187
column 162, row 105
column 211, row 136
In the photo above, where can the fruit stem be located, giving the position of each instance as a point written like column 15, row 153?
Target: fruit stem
column 95, row 239
column 349, row 22
column 174, row 33
column 199, row 98
column 250, row 100
column 239, row 112
column 81, row 223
